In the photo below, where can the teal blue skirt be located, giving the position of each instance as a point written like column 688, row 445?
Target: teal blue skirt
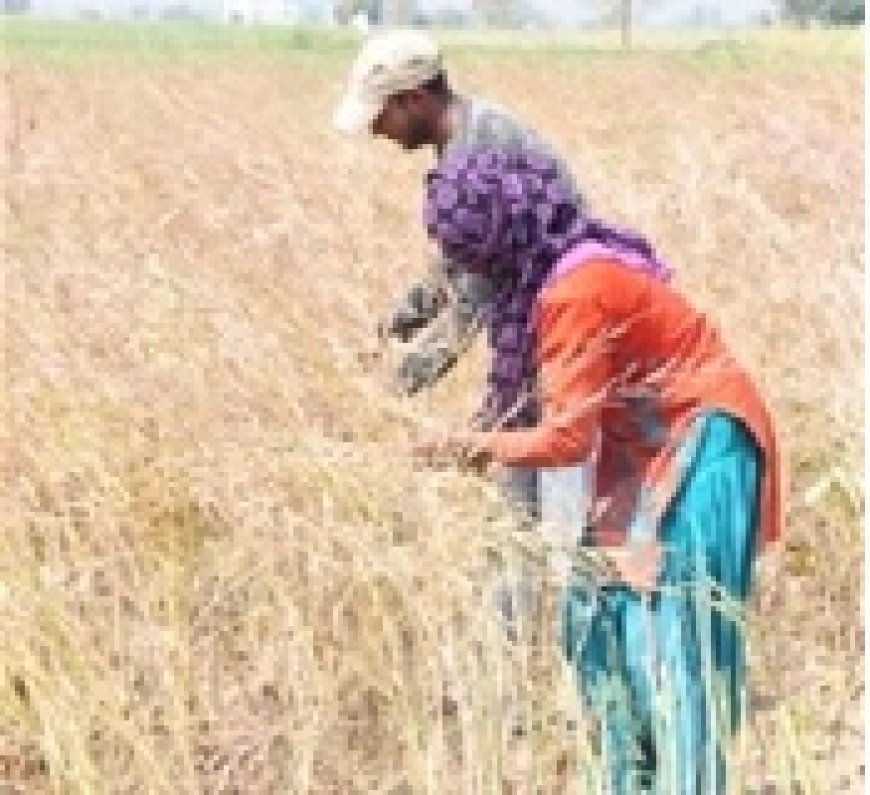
column 665, row 673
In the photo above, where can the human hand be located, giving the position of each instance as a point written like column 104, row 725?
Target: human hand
column 452, row 448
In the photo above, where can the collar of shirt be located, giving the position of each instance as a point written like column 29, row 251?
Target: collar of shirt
column 462, row 114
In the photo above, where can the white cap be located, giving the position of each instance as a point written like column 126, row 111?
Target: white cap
column 399, row 60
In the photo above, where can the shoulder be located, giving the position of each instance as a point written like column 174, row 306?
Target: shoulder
column 490, row 124
column 596, row 277
column 493, row 124
column 601, row 287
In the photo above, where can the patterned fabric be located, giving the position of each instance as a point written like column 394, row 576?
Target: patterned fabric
column 510, row 216
column 667, row 675
column 437, row 339
column 439, row 330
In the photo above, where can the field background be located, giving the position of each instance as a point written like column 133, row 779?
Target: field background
column 219, row 569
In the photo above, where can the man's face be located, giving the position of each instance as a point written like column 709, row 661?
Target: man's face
column 407, row 120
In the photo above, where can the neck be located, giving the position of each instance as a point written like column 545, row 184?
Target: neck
column 447, row 122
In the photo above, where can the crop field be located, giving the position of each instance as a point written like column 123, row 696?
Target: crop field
column 221, row 569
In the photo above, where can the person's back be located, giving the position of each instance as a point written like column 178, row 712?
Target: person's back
column 485, row 123
column 667, row 348
column 644, row 365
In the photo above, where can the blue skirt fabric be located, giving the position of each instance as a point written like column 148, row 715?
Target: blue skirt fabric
column 665, row 672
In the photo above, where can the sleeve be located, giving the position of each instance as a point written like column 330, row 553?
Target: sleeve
column 418, row 307
column 434, row 352
column 575, row 370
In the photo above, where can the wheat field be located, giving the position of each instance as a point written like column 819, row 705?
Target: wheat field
column 221, row 569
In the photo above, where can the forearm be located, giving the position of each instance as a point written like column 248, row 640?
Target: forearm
column 431, row 358
column 420, row 304
column 436, row 351
column 573, row 384
column 550, row 444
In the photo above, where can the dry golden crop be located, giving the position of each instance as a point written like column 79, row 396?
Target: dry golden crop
column 220, row 570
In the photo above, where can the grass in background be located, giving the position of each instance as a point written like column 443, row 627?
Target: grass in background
column 52, row 39
column 219, row 567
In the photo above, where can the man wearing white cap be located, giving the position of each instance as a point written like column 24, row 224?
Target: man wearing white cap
column 398, row 89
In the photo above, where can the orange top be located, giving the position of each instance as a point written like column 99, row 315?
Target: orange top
column 625, row 355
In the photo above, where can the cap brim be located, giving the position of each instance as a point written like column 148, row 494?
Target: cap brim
column 354, row 115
